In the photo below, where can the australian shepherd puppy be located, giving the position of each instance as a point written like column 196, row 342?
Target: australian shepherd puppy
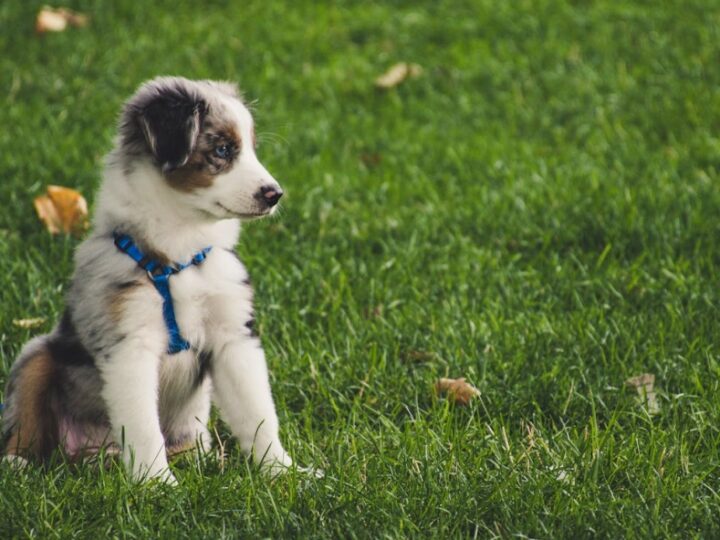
column 159, row 315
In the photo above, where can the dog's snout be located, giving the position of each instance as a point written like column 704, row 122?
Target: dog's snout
column 271, row 194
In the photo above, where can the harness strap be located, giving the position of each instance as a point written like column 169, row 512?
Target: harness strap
column 160, row 274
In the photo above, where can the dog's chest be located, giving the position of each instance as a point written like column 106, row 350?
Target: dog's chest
column 212, row 302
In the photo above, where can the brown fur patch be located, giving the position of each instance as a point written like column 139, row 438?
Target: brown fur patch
column 157, row 256
column 203, row 165
column 36, row 432
column 119, row 297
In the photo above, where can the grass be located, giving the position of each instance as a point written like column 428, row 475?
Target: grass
column 538, row 212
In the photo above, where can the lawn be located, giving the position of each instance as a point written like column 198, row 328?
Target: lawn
column 537, row 212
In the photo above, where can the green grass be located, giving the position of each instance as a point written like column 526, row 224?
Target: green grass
column 538, row 212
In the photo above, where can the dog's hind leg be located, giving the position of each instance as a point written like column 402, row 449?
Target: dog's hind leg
column 30, row 422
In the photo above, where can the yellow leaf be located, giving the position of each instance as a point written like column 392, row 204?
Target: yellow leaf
column 62, row 210
column 397, row 74
column 419, row 356
column 459, row 390
column 644, row 384
column 57, row 20
column 29, row 323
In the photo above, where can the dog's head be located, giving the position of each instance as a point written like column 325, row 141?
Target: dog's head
column 201, row 138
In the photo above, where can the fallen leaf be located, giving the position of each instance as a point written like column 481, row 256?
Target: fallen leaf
column 419, row 356
column 562, row 475
column 57, row 20
column 397, row 74
column 644, row 384
column 33, row 322
column 49, row 21
column 370, row 159
column 62, row 210
column 458, row 390
column 644, row 380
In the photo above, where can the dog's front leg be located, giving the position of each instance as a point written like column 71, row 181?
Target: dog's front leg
column 242, row 392
column 131, row 382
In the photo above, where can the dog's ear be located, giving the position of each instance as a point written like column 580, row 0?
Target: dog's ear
column 171, row 123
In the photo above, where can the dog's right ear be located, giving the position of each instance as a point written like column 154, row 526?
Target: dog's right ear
column 164, row 118
column 171, row 124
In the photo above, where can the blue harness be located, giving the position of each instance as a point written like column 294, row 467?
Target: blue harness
column 160, row 276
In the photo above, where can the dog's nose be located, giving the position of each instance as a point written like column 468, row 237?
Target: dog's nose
column 271, row 194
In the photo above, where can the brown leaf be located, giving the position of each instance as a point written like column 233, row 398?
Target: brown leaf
column 644, row 384
column 397, row 74
column 62, row 210
column 57, row 20
column 643, row 380
column 458, row 390
column 419, row 356
column 29, row 323
column 371, row 159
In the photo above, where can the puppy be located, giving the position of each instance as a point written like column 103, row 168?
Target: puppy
column 159, row 315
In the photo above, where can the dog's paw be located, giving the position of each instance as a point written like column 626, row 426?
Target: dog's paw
column 162, row 476
column 280, row 462
column 273, row 463
column 277, row 468
column 166, row 478
column 312, row 471
column 15, row 461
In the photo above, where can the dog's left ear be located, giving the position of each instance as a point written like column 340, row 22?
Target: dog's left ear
column 171, row 123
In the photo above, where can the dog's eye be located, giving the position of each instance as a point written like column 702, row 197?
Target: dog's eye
column 223, row 151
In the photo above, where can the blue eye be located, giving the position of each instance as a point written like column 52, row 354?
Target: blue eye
column 223, row 151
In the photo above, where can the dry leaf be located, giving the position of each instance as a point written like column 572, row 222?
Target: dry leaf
column 57, row 20
column 62, row 210
column 644, row 380
column 645, row 386
column 370, row 159
column 29, row 323
column 419, row 356
column 49, row 21
column 397, row 74
column 457, row 389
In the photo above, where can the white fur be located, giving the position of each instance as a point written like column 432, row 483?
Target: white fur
column 146, row 388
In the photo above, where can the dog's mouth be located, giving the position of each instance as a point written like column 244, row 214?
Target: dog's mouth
column 244, row 215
